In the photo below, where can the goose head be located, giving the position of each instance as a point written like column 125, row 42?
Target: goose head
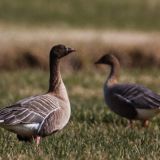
column 108, row 59
column 60, row 51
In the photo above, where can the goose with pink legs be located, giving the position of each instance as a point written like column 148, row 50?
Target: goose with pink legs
column 42, row 115
column 132, row 101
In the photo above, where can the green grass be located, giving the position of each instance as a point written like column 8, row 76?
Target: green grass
column 93, row 131
column 122, row 14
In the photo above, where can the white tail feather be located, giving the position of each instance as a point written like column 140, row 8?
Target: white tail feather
column 1, row 121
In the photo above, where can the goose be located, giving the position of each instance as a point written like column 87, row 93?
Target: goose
column 132, row 101
column 42, row 115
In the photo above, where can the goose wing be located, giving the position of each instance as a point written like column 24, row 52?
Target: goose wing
column 30, row 110
column 126, row 108
column 138, row 96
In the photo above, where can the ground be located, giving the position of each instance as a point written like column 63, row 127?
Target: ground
column 93, row 132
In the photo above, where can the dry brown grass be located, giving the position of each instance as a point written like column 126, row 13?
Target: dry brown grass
column 30, row 47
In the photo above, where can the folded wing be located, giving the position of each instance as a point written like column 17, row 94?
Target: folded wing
column 31, row 110
column 138, row 96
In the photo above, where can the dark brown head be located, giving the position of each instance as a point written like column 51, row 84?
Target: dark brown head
column 108, row 59
column 59, row 51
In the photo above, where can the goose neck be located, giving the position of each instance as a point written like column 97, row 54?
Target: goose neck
column 114, row 74
column 55, row 76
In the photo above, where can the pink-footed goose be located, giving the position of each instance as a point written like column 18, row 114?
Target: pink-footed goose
column 132, row 101
column 42, row 115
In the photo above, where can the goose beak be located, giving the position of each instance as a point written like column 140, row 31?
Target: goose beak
column 69, row 50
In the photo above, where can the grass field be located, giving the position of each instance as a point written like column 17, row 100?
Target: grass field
column 124, row 14
column 30, row 28
column 93, row 131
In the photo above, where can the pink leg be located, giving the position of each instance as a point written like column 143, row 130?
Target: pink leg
column 145, row 123
column 130, row 124
column 37, row 139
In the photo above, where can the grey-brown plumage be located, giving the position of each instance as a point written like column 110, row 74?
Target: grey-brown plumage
column 131, row 101
column 42, row 115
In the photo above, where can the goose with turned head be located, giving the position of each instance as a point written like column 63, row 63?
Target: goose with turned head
column 132, row 101
column 39, row 116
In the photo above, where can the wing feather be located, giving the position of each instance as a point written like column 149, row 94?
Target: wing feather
column 32, row 110
column 138, row 96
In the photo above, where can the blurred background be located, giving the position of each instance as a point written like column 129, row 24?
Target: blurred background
column 30, row 28
column 128, row 28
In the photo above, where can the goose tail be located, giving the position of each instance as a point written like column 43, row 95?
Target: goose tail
column 1, row 121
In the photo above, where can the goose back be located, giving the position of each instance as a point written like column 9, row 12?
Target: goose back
column 129, row 100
